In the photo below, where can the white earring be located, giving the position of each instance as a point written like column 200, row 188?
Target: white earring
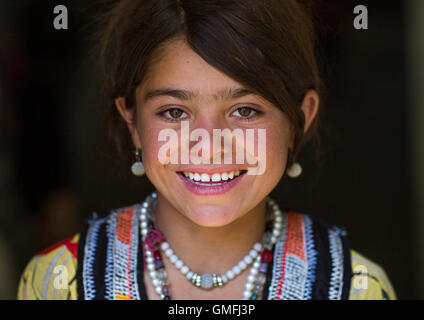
column 137, row 167
column 295, row 170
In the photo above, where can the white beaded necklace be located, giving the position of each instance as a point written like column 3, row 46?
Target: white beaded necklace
column 208, row 281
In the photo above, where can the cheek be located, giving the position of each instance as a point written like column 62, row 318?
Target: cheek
column 150, row 146
column 277, row 145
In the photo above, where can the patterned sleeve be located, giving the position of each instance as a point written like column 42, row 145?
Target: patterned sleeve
column 50, row 275
column 369, row 280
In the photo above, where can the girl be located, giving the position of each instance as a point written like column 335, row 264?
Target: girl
column 210, row 231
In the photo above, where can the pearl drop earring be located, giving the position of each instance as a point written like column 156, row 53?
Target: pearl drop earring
column 295, row 170
column 137, row 167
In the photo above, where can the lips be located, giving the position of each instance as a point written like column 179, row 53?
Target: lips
column 202, row 183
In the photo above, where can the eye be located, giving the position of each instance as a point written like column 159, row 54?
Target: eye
column 245, row 112
column 174, row 114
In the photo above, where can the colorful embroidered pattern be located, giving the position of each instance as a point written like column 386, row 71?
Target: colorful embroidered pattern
column 336, row 251
column 295, row 258
column 294, row 270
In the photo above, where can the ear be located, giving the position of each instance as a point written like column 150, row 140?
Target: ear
column 310, row 107
column 128, row 116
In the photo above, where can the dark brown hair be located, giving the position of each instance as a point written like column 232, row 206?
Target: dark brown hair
column 268, row 46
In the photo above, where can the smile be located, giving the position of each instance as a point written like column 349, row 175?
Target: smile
column 211, row 183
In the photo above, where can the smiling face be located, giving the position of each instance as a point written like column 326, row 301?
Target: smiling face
column 181, row 86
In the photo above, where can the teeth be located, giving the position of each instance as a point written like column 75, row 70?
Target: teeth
column 205, row 177
column 215, row 177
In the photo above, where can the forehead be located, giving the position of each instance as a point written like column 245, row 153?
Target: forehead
column 180, row 67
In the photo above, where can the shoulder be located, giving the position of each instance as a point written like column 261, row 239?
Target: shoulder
column 327, row 250
column 50, row 274
column 369, row 280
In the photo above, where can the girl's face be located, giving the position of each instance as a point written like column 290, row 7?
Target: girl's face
column 182, row 87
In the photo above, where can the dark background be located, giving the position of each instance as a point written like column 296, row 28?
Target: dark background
column 56, row 167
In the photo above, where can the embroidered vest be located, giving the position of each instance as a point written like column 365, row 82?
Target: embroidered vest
column 310, row 259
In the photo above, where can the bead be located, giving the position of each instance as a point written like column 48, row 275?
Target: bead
column 150, row 259
column 266, row 256
column 154, row 195
column 278, row 213
column 263, row 267
column 247, row 294
column 143, row 217
column 236, row 270
column 242, row 265
column 179, row 264
column 256, row 264
column 230, row 274
column 257, row 246
column 219, row 280
column 253, row 271
column 144, row 232
column 277, row 226
column 206, row 281
column 253, row 254
column 156, row 255
column 184, row 269
column 162, row 273
column 153, row 274
column 158, row 264
column 251, row 278
column 276, row 232
column 158, row 290
column 169, row 252
column 143, row 224
column 164, row 245
column 224, row 278
column 173, row 258
column 150, row 267
column 189, row 275
column 273, row 239
column 156, row 282
column 167, row 297
column 254, row 297
column 248, row 259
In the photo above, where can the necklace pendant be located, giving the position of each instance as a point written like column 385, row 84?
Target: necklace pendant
column 206, row 281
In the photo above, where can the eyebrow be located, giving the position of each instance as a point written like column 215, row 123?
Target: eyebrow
column 181, row 94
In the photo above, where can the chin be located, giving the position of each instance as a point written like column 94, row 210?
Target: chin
column 212, row 216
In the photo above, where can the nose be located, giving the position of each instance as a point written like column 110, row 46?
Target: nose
column 212, row 139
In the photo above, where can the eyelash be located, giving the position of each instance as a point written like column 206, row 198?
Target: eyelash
column 249, row 118
column 170, row 119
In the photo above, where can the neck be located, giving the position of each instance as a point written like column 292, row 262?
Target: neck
column 210, row 249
